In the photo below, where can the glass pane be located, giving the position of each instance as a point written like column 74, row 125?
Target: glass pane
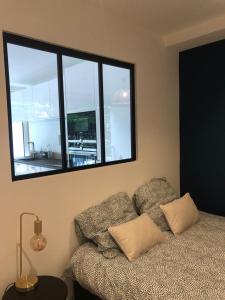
column 35, row 110
column 116, row 83
column 81, row 93
column 18, row 145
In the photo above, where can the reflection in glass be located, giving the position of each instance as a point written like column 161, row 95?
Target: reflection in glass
column 116, row 86
column 81, row 94
column 35, row 110
column 18, row 145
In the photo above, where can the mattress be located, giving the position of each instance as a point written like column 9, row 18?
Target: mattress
column 188, row 266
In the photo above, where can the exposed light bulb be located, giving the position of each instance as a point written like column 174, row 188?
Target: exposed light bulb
column 124, row 94
column 121, row 97
column 38, row 242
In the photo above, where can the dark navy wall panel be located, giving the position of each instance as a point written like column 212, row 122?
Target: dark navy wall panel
column 202, row 126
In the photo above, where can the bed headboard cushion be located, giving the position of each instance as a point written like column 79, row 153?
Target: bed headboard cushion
column 93, row 223
column 149, row 196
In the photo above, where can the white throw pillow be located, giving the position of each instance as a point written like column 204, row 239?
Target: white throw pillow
column 136, row 236
column 181, row 213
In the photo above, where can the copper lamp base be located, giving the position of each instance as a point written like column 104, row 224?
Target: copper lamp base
column 26, row 283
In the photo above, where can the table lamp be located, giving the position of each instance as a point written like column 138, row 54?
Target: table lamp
column 25, row 283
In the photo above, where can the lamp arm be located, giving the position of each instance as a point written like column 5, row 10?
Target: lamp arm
column 21, row 238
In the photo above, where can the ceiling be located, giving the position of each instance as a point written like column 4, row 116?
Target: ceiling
column 165, row 16
column 30, row 66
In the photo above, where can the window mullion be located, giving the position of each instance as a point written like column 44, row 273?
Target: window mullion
column 132, row 113
column 62, row 112
column 101, row 110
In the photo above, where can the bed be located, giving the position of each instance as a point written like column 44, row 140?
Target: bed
column 187, row 266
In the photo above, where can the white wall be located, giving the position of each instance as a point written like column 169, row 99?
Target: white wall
column 81, row 87
column 120, row 132
column 57, row 199
column 45, row 135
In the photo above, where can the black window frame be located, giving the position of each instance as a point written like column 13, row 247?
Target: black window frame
column 60, row 51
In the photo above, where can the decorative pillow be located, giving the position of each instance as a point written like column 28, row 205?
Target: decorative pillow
column 181, row 213
column 79, row 234
column 95, row 221
column 136, row 236
column 149, row 196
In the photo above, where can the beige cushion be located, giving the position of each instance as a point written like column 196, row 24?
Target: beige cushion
column 137, row 236
column 180, row 213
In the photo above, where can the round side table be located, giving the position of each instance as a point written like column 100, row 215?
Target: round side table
column 49, row 287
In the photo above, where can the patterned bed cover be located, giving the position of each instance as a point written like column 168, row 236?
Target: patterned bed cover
column 188, row 266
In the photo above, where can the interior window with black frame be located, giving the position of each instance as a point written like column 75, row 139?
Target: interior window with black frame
column 67, row 110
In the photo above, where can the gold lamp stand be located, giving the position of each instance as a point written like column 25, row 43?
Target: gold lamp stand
column 25, row 283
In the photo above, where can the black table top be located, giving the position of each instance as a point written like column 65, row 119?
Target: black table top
column 48, row 288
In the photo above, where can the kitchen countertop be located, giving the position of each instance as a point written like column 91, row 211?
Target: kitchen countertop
column 44, row 162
